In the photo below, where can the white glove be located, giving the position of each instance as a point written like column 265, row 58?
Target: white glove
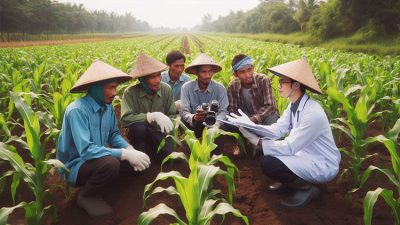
column 252, row 138
column 162, row 120
column 178, row 105
column 138, row 160
column 240, row 119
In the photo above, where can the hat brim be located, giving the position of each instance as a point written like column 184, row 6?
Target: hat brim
column 83, row 87
column 308, row 87
column 193, row 69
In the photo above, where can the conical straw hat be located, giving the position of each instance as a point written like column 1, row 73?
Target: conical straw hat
column 146, row 65
column 203, row 60
column 98, row 71
column 300, row 71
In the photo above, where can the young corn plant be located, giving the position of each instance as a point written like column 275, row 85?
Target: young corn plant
column 34, row 175
column 200, row 203
column 393, row 174
column 201, row 151
column 354, row 126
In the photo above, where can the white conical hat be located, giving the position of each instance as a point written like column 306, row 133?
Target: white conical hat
column 96, row 72
column 203, row 60
column 300, row 71
column 146, row 65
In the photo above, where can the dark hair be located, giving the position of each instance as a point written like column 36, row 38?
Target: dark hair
column 173, row 56
column 302, row 86
column 237, row 58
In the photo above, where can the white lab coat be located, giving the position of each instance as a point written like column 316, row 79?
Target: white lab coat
column 309, row 150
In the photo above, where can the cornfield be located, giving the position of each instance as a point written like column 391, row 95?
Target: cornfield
column 360, row 91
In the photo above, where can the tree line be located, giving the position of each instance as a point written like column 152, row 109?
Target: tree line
column 51, row 17
column 324, row 19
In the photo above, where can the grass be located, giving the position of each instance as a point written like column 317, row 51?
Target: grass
column 387, row 45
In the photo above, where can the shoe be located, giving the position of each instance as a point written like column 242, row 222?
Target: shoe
column 92, row 203
column 299, row 184
column 95, row 206
column 275, row 186
column 301, row 198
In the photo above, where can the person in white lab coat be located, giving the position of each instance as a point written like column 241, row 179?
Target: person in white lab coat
column 308, row 154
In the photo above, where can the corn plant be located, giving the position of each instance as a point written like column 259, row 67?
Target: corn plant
column 200, row 203
column 393, row 174
column 34, row 175
column 201, row 151
column 354, row 126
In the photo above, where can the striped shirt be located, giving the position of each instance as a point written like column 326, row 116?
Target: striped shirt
column 262, row 101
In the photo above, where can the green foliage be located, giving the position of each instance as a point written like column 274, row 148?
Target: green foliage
column 47, row 16
column 34, row 175
column 201, row 204
column 390, row 140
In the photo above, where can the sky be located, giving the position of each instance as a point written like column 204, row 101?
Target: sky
column 169, row 13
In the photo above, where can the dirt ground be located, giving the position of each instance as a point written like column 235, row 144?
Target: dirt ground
column 251, row 197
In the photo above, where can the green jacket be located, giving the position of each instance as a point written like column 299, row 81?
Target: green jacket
column 136, row 104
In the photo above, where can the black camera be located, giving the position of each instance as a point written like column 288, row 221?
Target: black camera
column 212, row 110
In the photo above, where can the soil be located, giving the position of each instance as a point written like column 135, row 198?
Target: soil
column 185, row 47
column 251, row 197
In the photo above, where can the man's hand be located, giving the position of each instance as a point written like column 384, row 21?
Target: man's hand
column 200, row 115
column 137, row 159
column 162, row 120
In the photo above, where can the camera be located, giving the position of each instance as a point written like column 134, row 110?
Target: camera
column 211, row 109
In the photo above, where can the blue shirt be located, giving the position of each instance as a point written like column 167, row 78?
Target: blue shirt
column 88, row 132
column 177, row 86
column 192, row 97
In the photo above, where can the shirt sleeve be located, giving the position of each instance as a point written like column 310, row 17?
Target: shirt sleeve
column 268, row 104
column 299, row 137
column 115, row 138
column 223, row 103
column 82, row 139
column 129, row 107
column 185, row 113
column 233, row 101
column 171, row 109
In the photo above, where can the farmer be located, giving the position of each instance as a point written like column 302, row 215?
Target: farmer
column 90, row 144
column 148, row 107
column 175, row 77
column 251, row 92
column 202, row 90
column 308, row 155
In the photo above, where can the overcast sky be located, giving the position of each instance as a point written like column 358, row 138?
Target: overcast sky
column 169, row 13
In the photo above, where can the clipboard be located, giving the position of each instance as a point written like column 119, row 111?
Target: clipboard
column 253, row 129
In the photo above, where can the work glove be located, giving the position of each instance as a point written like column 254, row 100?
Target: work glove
column 162, row 120
column 252, row 138
column 137, row 159
column 241, row 119
column 178, row 104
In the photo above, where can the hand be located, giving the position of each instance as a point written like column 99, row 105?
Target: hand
column 200, row 115
column 137, row 159
column 162, row 120
column 178, row 105
column 252, row 138
column 240, row 119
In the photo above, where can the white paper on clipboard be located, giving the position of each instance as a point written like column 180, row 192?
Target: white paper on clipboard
column 253, row 129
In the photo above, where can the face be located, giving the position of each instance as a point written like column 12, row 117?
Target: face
column 245, row 75
column 153, row 81
column 204, row 74
column 176, row 68
column 110, row 91
column 285, row 86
